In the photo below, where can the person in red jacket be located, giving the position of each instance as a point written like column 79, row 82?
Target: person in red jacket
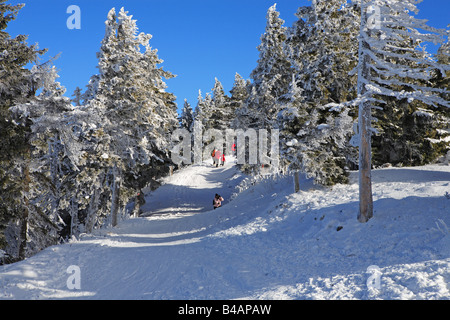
column 222, row 158
column 213, row 156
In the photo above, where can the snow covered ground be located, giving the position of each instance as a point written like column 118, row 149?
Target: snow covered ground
column 266, row 243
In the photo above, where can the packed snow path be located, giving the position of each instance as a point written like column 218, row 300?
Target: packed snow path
column 265, row 244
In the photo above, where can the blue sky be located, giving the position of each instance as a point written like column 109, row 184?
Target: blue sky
column 197, row 39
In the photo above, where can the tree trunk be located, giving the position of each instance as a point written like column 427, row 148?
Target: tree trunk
column 137, row 207
column 139, row 201
column 365, row 164
column 296, row 181
column 92, row 211
column 25, row 207
column 115, row 197
column 74, row 222
column 364, row 125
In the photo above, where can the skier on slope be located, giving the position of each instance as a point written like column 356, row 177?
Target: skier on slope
column 217, row 202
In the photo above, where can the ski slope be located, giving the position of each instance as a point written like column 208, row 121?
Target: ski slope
column 266, row 243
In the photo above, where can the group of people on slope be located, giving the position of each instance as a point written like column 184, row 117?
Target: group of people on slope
column 219, row 157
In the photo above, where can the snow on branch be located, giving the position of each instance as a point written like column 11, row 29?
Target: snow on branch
column 391, row 52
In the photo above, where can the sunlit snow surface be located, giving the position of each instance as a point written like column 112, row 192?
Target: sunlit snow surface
column 266, row 243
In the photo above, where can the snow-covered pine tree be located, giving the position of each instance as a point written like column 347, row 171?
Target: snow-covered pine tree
column 187, row 117
column 93, row 178
column 317, row 134
column 91, row 89
column 322, row 49
column 409, row 132
column 204, row 111
column 294, row 119
column 272, row 75
column 270, row 80
column 253, row 112
column 442, row 81
column 16, row 86
column 310, row 145
column 130, row 96
column 221, row 114
column 77, row 96
column 165, row 117
column 51, row 164
column 209, row 126
column 384, row 66
column 208, row 112
column 198, row 112
column 239, row 95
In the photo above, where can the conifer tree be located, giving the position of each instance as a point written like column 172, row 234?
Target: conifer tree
column 77, row 96
column 221, row 114
column 442, row 81
column 308, row 145
column 51, row 161
column 199, row 114
column 187, row 117
column 237, row 102
column 315, row 132
column 272, row 75
column 385, row 68
column 409, row 132
column 140, row 115
column 207, row 108
column 322, row 49
column 16, row 86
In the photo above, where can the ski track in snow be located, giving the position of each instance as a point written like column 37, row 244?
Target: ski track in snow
column 265, row 244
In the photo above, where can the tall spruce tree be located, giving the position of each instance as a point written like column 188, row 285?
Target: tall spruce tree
column 409, row 132
column 321, row 47
column 16, row 86
column 387, row 69
column 130, row 95
column 308, row 144
column 221, row 115
column 237, row 102
column 51, row 161
column 442, row 81
column 272, row 75
column 186, row 118
column 198, row 112
column 77, row 96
